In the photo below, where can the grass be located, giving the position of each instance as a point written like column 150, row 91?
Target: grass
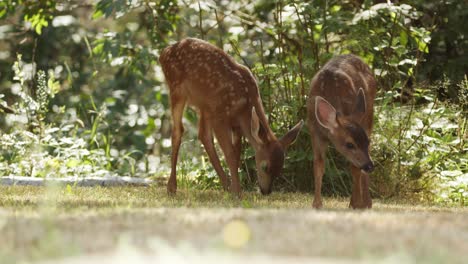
column 38, row 223
column 24, row 198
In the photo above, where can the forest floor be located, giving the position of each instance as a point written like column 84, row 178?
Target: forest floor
column 144, row 225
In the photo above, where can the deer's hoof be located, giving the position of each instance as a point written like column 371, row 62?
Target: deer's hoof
column 171, row 190
column 360, row 205
column 317, row 204
column 171, row 187
column 237, row 193
column 225, row 186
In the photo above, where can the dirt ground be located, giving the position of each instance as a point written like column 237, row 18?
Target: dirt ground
column 185, row 234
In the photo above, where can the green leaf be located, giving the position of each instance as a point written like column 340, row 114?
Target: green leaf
column 335, row 8
column 3, row 12
column 98, row 48
column 423, row 47
column 97, row 14
column 403, row 38
column 72, row 163
column 246, row 204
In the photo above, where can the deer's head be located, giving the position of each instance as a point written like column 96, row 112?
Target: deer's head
column 270, row 153
column 345, row 132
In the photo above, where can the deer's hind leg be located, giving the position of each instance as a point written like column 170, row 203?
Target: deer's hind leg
column 177, row 109
column 205, row 134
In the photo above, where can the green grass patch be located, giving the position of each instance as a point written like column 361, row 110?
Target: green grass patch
column 85, row 198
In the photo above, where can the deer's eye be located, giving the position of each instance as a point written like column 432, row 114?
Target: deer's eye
column 350, row 145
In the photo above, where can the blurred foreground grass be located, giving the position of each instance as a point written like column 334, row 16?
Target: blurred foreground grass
column 141, row 224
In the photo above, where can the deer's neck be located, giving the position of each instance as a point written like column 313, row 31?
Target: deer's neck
column 266, row 134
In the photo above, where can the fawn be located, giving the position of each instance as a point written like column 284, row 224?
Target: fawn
column 226, row 97
column 340, row 111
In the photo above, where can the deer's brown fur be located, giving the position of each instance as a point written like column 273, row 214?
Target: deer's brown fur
column 340, row 111
column 227, row 99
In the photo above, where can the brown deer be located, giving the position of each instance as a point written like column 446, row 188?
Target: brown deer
column 340, row 111
column 226, row 97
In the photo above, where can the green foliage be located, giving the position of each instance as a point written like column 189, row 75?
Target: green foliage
column 90, row 98
column 35, row 147
column 418, row 146
column 447, row 57
column 397, row 41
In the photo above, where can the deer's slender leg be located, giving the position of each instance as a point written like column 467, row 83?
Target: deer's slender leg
column 236, row 141
column 356, row 196
column 224, row 135
column 205, row 134
column 237, row 144
column 366, row 198
column 319, row 168
column 177, row 109
column 360, row 197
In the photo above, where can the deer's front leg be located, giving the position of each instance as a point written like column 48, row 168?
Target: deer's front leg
column 360, row 197
column 319, row 147
column 319, row 168
column 366, row 198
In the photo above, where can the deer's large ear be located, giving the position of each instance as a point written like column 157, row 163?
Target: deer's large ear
column 292, row 134
column 255, row 127
column 325, row 113
column 360, row 106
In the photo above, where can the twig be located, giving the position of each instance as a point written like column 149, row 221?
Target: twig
column 200, row 18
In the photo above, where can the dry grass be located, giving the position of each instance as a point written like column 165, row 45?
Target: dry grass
column 41, row 223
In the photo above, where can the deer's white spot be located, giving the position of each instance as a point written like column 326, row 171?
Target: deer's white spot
column 233, row 139
column 225, row 63
column 238, row 74
column 239, row 102
column 345, row 75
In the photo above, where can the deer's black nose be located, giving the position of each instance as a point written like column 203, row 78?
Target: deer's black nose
column 369, row 167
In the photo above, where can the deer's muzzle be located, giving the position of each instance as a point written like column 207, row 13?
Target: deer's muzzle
column 369, row 167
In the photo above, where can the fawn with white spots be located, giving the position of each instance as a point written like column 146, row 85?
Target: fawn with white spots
column 226, row 97
column 340, row 111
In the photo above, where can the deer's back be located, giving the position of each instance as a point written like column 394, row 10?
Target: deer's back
column 339, row 82
column 209, row 78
